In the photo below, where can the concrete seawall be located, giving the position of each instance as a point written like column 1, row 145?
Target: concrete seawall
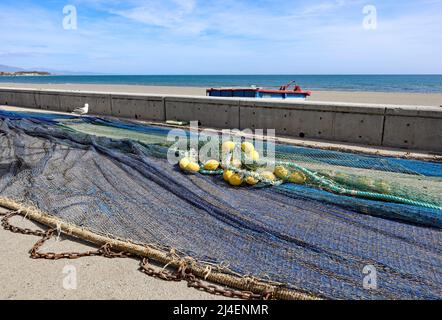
column 406, row 127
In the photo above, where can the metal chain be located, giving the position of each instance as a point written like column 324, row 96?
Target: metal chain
column 194, row 282
column 7, row 226
column 160, row 274
column 182, row 274
column 104, row 251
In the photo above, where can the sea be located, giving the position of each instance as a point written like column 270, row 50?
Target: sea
column 368, row 83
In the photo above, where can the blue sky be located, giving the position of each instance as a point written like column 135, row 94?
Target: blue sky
column 223, row 37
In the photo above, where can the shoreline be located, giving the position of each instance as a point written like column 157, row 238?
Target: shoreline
column 398, row 98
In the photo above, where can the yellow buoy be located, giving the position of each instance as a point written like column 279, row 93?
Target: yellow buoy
column 247, row 147
column 184, row 162
column 254, row 155
column 235, row 180
column 281, row 172
column 227, row 174
column 211, row 165
column 268, row 175
column 297, row 177
column 251, row 181
column 228, row 146
column 193, row 167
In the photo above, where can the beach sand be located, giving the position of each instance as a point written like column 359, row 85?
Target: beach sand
column 423, row 99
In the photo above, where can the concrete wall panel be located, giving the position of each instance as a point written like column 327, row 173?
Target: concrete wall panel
column 208, row 114
column 47, row 101
column 7, row 97
column 99, row 104
column 359, row 128
column 25, row 99
column 147, row 108
column 298, row 123
column 416, row 133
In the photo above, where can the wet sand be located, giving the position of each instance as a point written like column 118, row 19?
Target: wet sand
column 423, row 99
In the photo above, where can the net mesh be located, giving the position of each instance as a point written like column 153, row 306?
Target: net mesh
column 113, row 177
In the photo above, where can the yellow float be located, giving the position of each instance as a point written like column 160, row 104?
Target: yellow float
column 184, row 162
column 268, row 175
column 281, row 172
column 297, row 177
column 253, row 155
column 211, row 165
column 193, row 167
column 251, row 181
column 247, row 147
column 235, row 180
column 227, row 174
column 228, row 146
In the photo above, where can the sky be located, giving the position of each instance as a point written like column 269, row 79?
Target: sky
column 224, row 37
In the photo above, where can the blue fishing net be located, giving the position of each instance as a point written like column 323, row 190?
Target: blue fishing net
column 113, row 177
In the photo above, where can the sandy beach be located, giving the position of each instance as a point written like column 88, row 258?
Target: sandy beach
column 423, row 99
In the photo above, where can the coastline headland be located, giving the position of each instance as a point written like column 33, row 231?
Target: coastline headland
column 24, row 74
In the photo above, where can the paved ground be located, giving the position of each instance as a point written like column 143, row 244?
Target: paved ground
column 97, row 278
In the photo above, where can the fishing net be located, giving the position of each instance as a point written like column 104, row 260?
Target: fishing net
column 313, row 234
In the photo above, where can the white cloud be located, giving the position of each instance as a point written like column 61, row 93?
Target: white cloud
column 168, row 13
column 222, row 37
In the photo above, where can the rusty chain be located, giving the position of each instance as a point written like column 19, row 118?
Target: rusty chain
column 194, row 282
column 198, row 284
column 160, row 274
column 182, row 274
column 104, row 251
column 7, row 226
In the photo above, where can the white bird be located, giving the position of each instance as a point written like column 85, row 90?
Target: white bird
column 83, row 110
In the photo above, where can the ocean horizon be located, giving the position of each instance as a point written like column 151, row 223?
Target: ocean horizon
column 352, row 83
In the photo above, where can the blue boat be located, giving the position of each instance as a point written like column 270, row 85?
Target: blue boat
column 253, row 92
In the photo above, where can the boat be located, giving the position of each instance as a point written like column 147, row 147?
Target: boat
column 255, row 92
